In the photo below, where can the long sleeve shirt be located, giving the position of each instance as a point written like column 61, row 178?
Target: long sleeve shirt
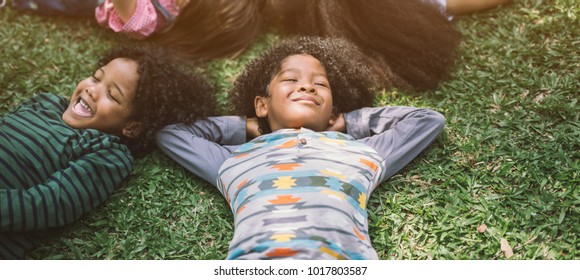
column 51, row 174
column 297, row 193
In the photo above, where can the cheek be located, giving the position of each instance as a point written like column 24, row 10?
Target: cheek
column 107, row 110
column 281, row 89
column 328, row 99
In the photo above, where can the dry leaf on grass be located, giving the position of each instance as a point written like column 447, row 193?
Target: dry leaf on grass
column 506, row 248
column 482, row 228
column 540, row 97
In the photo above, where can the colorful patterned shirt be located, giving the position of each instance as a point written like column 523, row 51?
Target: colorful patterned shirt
column 149, row 17
column 52, row 174
column 297, row 193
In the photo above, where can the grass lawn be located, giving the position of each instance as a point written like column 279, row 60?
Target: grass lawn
column 506, row 170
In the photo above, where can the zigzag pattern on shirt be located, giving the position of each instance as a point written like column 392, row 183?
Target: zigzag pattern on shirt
column 282, row 244
column 350, row 189
column 289, row 195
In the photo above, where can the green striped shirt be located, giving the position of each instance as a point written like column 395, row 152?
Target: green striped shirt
column 51, row 174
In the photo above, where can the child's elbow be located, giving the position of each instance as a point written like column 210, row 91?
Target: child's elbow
column 438, row 120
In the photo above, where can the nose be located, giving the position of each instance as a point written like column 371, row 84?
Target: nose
column 308, row 88
column 91, row 92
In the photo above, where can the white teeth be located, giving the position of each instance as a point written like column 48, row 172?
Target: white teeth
column 82, row 102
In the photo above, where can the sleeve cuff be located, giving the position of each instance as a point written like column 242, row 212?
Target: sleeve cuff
column 235, row 130
column 357, row 124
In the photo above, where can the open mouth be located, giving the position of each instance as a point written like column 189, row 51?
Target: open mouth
column 82, row 109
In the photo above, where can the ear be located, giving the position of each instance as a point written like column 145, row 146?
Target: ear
column 133, row 129
column 333, row 117
column 261, row 106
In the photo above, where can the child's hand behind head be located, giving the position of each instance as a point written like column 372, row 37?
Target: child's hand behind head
column 339, row 124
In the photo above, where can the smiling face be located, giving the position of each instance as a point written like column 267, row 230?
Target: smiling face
column 104, row 101
column 299, row 96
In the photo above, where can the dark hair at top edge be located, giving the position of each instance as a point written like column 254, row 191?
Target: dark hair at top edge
column 413, row 37
column 208, row 29
column 165, row 93
column 352, row 81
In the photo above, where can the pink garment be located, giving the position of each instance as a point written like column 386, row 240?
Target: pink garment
column 145, row 20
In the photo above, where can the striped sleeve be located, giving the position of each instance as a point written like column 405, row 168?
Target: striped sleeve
column 67, row 194
column 43, row 101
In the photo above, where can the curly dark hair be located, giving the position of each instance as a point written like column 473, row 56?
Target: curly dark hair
column 413, row 37
column 165, row 93
column 352, row 80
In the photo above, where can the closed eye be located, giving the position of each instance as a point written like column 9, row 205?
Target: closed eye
column 97, row 79
column 112, row 97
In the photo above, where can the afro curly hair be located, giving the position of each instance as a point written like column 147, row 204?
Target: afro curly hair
column 165, row 93
column 349, row 73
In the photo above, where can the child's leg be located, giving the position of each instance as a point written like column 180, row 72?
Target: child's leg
column 78, row 8
column 457, row 7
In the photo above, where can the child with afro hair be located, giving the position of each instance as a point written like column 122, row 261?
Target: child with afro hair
column 63, row 158
column 298, row 189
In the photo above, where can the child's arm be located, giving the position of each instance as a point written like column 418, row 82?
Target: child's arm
column 67, row 194
column 397, row 133
column 203, row 146
column 458, row 7
column 40, row 101
column 125, row 8
column 181, row 3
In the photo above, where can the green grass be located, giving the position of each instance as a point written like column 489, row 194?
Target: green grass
column 509, row 157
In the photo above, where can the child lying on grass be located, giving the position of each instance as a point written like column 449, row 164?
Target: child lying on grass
column 62, row 158
column 300, row 188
